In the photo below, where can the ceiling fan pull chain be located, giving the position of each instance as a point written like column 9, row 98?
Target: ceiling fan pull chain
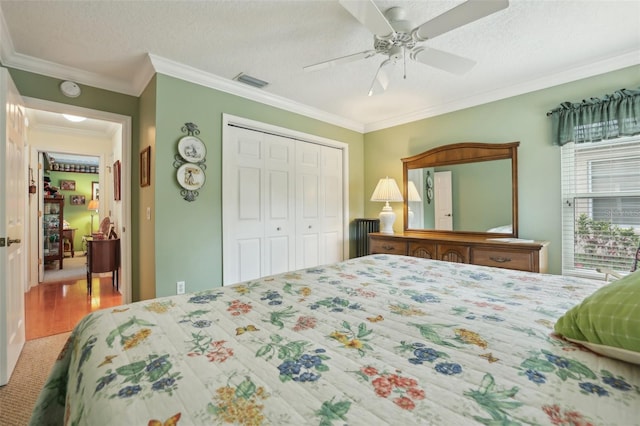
column 404, row 61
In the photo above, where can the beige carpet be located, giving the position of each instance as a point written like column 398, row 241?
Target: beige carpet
column 72, row 268
column 19, row 396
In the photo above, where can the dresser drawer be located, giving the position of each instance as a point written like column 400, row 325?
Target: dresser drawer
column 388, row 246
column 519, row 260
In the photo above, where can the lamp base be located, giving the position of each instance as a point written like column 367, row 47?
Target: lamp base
column 387, row 218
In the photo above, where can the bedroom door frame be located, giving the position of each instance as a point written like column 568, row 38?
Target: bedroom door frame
column 121, row 209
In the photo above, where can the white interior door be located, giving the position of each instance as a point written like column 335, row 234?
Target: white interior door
column 12, row 229
column 279, row 231
column 442, row 201
column 284, row 200
column 243, row 212
column 332, row 206
column 308, row 190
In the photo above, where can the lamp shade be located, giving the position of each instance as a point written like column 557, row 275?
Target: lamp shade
column 93, row 205
column 387, row 190
column 413, row 194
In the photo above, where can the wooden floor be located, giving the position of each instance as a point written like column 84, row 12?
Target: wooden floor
column 53, row 308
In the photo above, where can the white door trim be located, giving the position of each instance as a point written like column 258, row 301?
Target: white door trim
column 126, row 159
column 228, row 119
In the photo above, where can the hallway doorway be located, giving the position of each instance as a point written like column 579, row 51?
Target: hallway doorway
column 100, row 135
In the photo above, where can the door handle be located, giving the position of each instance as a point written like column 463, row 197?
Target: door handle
column 448, row 215
column 12, row 241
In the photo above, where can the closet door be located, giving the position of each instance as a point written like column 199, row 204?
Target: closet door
column 319, row 205
column 308, row 205
column 258, row 200
column 332, row 207
column 242, row 212
column 283, row 206
column 279, row 193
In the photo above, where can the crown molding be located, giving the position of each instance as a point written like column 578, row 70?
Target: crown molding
column 614, row 63
column 196, row 76
column 63, row 72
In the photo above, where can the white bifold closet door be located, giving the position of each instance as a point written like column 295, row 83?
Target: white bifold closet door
column 282, row 204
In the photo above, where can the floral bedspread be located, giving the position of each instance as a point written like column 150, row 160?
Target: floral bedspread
column 375, row 340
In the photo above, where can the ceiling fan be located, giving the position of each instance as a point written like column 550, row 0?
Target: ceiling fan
column 394, row 37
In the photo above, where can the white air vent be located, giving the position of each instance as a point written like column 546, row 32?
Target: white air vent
column 251, row 81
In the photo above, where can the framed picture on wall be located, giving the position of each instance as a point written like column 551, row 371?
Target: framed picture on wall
column 67, row 185
column 95, row 191
column 145, row 167
column 116, row 180
column 76, row 200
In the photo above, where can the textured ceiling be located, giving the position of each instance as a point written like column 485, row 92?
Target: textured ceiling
column 528, row 46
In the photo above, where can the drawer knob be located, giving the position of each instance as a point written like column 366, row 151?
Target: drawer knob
column 388, row 247
column 500, row 259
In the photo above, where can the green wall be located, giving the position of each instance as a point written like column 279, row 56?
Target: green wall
column 519, row 118
column 188, row 235
column 78, row 216
column 182, row 240
column 145, row 243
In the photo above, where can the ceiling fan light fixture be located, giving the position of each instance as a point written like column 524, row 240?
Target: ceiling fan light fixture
column 396, row 37
column 251, row 81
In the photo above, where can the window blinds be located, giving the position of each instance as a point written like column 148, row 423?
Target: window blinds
column 601, row 205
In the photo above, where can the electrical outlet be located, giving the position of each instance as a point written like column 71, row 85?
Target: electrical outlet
column 180, row 287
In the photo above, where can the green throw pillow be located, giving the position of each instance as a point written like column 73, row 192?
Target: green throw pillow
column 608, row 321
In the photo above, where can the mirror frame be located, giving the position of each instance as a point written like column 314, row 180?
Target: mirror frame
column 461, row 153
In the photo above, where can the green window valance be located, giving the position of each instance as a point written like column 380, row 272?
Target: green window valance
column 596, row 119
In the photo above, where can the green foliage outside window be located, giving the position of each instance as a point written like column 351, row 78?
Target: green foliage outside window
column 602, row 244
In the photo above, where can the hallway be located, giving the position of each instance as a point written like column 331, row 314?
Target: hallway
column 52, row 308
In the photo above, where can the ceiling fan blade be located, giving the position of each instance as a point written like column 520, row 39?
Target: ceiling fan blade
column 368, row 14
column 342, row 60
column 381, row 80
column 460, row 15
column 446, row 61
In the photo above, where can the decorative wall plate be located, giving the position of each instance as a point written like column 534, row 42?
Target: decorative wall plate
column 190, row 176
column 192, row 149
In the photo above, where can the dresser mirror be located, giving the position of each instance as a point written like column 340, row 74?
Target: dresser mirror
column 467, row 188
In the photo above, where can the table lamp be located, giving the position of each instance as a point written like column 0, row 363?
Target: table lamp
column 93, row 207
column 387, row 190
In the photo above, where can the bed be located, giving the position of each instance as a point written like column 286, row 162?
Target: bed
column 379, row 339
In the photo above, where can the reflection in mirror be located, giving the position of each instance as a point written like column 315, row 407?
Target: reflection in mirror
column 470, row 197
column 468, row 187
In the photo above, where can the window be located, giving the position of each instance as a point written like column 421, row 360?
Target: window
column 601, row 205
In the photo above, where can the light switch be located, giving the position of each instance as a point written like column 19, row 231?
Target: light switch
column 148, row 213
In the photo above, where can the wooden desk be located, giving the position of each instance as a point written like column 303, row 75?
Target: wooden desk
column 103, row 256
column 68, row 235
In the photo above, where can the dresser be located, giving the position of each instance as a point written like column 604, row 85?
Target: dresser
column 508, row 253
